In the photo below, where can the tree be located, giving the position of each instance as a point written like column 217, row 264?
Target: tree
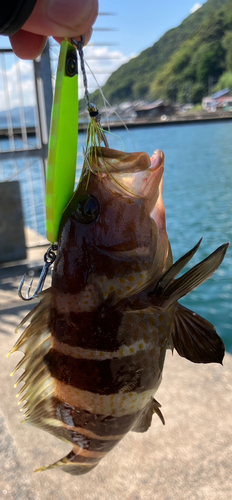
column 184, row 92
column 227, row 44
column 224, row 82
column 140, row 89
column 211, row 61
column 197, row 93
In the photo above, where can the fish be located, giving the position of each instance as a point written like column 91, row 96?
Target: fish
column 95, row 345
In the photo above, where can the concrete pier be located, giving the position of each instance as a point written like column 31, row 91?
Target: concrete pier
column 189, row 458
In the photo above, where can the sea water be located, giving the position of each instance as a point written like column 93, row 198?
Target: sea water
column 197, row 197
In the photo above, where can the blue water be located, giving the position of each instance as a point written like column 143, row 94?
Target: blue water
column 198, row 202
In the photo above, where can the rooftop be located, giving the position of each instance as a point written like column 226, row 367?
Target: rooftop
column 221, row 93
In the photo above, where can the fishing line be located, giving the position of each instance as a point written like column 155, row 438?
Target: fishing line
column 106, row 103
column 95, row 133
column 93, row 112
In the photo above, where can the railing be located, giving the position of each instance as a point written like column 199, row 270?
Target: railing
column 24, row 124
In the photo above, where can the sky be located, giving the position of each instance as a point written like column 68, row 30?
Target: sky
column 134, row 28
column 140, row 24
column 130, row 27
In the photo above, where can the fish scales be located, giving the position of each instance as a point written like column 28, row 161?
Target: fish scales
column 95, row 346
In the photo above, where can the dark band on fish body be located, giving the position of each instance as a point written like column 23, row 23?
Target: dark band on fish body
column 91, row 444
column 92, row 330
column 100, row 330
column 102, row 267
column 75, row 469
column 85, row 247
column 102, row 425
column 109, row 376
column 73, row 457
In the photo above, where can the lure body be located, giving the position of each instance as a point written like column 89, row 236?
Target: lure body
column 96, row 343
column 62, row 140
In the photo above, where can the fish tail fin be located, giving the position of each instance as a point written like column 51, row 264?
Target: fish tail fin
column 168, row 290
column 195, row 338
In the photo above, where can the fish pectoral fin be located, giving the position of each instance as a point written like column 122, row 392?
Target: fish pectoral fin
column 168, row 290
column 144, row 421
column 195, row 338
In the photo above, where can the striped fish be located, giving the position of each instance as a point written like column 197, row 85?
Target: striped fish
column 95, row 345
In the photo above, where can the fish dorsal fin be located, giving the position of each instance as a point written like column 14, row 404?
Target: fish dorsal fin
column 168, row 290
column 195, row 338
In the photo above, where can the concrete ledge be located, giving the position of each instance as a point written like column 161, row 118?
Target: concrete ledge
column 189, row 458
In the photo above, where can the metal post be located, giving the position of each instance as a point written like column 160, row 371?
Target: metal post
column 44, row 95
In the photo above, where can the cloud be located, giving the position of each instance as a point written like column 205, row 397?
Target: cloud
column 18, row 73
column 195, row 7
column 102, row 62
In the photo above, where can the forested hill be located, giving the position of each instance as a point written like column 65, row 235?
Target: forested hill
column 183, row 58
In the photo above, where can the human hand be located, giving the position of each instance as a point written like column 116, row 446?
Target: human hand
column 58, row 18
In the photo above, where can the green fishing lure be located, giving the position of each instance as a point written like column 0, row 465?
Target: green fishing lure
column 62, row 151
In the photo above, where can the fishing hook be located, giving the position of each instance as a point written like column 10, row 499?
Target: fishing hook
column 49, row 258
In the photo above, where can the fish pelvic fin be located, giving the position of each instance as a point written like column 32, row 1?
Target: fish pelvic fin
column 195, row 338
column 168, row 290
column 145, row 420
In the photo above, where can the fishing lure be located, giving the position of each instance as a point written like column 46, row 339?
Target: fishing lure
column 63, row 140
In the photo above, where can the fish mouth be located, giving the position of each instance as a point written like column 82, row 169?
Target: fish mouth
column 133, row 174
column 147, row 183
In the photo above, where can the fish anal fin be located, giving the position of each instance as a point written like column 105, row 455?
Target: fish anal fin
column 195, row 338
column 144, row 421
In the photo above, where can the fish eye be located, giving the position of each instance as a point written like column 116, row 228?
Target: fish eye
column 87, row 209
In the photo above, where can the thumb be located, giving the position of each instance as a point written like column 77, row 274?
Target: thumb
column 62, row 18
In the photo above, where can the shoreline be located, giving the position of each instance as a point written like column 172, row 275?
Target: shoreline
column 172, row 120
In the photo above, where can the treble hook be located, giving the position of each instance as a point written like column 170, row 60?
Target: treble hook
column 49, row 258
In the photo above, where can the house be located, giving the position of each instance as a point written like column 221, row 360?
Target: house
column 221, row 100
column 154, row 109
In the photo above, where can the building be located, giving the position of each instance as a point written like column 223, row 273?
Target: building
column 221, row 100
column 154, row 110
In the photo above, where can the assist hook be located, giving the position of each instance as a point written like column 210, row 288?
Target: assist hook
column 49, row 258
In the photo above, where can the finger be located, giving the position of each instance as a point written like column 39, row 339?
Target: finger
column 87, row 37
column 27, row 45
column 62, row 19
